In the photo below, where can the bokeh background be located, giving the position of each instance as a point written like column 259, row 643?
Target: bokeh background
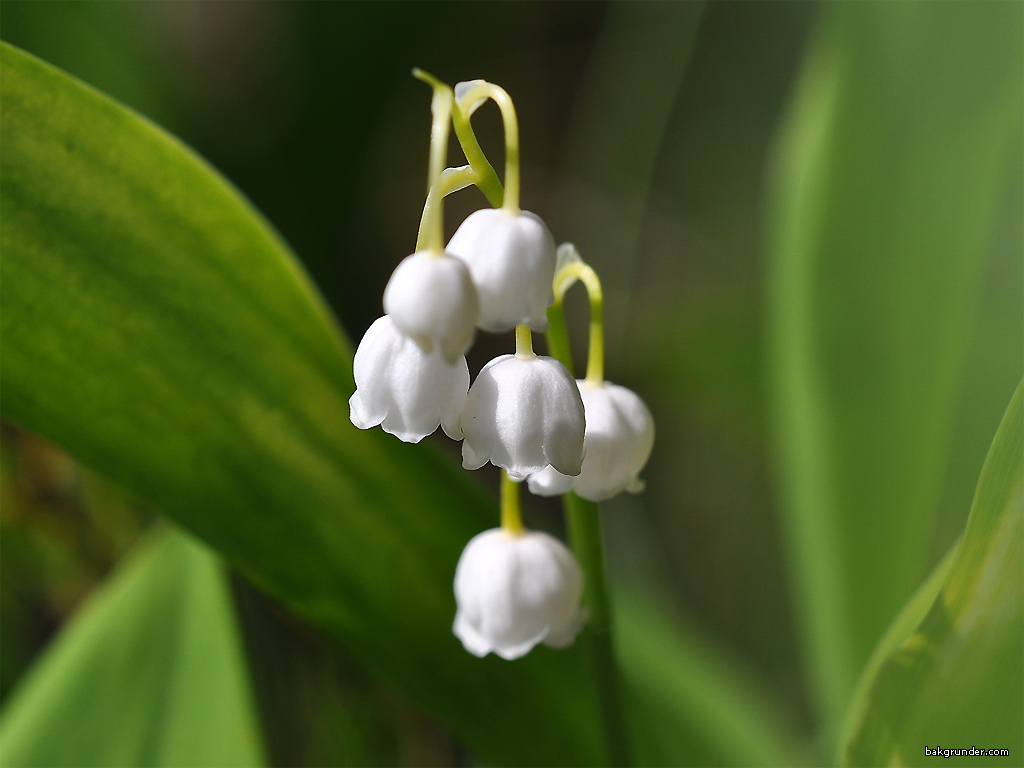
column 647, row 133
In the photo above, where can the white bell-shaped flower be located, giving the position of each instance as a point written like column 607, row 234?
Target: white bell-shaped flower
column 523, row 413
column 619, row 439
column 404, row 389
column 513, row 591
column 431, row 298
column 512, row 260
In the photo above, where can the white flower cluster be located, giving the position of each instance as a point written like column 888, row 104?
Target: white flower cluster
column 524, row 413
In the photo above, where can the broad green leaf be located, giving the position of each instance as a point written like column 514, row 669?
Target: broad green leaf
column 889, row 174
column 956, row 679
column 150, row 671
column 157, row 328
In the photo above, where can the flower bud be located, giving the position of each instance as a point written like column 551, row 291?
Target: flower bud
column 513, row 591
column 431, row 299
column 512, row 260
column 619, row 439
column 523, row 413
column 404, row 389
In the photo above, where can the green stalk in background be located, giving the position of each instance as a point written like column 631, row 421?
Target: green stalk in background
column 583, row 518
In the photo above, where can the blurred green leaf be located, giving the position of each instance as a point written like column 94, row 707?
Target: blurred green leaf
column 906, row 622
column 150, row 671
column 158, row 329
column 958, row 680
column 888, row 179
column 692, row 704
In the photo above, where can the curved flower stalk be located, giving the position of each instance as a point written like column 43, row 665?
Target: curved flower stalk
column 524, row 413
column 620, row 429
column 619, row 439
column 510, row 252
column 515, row 590
column 405, row 390
column 431, row 296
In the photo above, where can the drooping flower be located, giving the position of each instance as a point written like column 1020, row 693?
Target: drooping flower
column 619, row 439
column 515, row 590
column 407, row 391
column 511, row 258
column 523, row 413
column 431, row 298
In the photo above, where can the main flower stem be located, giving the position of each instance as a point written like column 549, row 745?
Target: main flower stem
column 557, row 336
column 433, row 214
column 583, row 520
column 451, row 180
column 586, row 537
column 479, row 172
column 511, row 511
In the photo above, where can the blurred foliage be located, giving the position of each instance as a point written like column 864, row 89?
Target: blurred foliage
column 884, row 202
column 689, row 691
column 61, row 529
column 149, row 672
column 646, row 128
column 955, row 678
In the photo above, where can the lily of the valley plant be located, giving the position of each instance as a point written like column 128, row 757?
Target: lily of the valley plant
column 524, row 413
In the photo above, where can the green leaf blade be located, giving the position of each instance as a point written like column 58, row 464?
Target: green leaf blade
column 151, row 672
column 957, row 680
column 888, row 180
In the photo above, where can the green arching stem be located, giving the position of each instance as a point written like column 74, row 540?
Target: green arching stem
column 433, row 214
column 567, row 275
column 511, row 512
column 524, row 341
column 479, row 172
column 451, row 180
column 485, row 177
column 583, row 520
column 485, row 90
